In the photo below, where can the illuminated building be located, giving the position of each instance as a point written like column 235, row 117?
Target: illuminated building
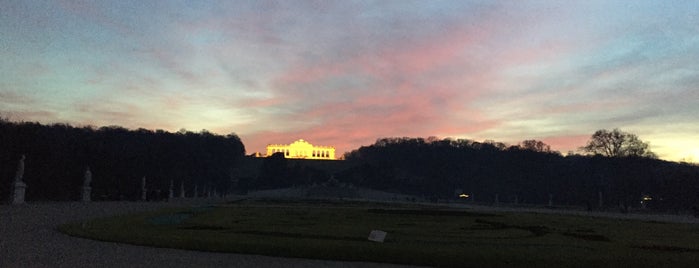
column 301, row 149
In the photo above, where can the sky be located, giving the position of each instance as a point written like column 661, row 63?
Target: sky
column 345, row 73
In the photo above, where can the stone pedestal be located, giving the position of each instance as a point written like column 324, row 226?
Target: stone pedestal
column 86, row 194
column 18, row 193
column 143, row 194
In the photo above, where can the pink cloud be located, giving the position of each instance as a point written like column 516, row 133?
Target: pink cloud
column 349, row 134
column 567, row 143
column 408, row 89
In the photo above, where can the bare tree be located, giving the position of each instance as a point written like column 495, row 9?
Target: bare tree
column 617, row 143
column 536, row 146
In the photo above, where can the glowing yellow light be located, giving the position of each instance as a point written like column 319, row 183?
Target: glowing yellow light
column 301, row 149
column 463, row 196
column 647, row 198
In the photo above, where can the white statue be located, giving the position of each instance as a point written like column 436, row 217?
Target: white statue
column 143, row 189
column 19, row 185
column 171, row 192
column 87, row 190
column 88, row 178
column 20, row 169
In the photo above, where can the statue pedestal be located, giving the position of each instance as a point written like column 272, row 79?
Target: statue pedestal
column 143, row 194
column 86, row 194
column 18, row 193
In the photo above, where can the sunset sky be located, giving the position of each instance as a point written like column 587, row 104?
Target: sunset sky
column 344, row 73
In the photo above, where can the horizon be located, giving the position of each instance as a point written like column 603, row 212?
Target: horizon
column 346, row 73
column 338, row 156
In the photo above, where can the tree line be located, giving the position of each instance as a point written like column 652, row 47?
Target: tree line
column 57, row 156
column 617, row 166
column 620, row 173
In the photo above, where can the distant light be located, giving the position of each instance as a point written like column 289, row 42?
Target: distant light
column 647, row 198
column 301, row 149
column 463, row 196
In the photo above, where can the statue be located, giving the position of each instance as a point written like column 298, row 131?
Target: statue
column 143, row 189
column 171, row 192
column 19, row 186
column 88, row 178
column 20, row 170
column 87, row 190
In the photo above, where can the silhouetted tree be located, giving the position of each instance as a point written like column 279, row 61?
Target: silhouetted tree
column 434, row 168
column 617, row 143
column 58, row 154
column 273, row 173
column 536, row 146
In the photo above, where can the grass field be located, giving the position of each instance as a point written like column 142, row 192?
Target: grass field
column 418, row 235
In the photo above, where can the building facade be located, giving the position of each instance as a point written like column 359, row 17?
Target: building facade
column 301, row 149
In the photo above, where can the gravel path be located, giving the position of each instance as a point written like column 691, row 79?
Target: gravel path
column 28, row 238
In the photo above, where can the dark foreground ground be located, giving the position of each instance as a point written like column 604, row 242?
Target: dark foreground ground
column 29, row 238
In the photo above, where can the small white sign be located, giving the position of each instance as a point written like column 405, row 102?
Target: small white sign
column 377, row 236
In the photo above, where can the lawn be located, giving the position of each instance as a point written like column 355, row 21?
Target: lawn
column 419, row 235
